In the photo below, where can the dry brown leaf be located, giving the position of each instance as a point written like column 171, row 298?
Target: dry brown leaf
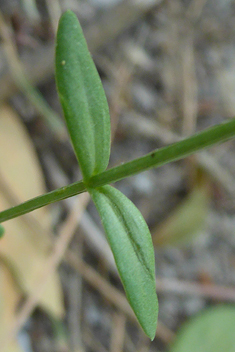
column 9, row 299
column 27, row 239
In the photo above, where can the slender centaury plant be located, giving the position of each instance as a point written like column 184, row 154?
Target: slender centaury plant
column 87, row 117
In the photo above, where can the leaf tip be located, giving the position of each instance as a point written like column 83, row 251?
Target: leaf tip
column 153, row 333
column 68, row 12
column 149, row 324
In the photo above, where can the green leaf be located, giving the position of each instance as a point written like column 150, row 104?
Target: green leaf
column 1, row 230
column 82, row 97
column 131, row 243
column 211, row 331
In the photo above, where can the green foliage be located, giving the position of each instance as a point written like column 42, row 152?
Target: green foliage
column 131, row 243
column 211, row 331
column 82, row 97
column 86, row 112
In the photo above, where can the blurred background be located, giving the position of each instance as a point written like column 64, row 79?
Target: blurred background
column 168, row 69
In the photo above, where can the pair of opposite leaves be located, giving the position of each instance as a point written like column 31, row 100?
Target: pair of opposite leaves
column 87, row 116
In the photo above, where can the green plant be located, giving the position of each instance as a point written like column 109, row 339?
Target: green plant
column 86, row 112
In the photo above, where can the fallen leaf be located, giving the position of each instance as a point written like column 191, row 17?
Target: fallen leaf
column 27, row 240
column 186, row 221
column 9, row 298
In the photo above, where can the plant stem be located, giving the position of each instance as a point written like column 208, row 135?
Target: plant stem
column 175, row 151
column 216, row 134
column 41, row 201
